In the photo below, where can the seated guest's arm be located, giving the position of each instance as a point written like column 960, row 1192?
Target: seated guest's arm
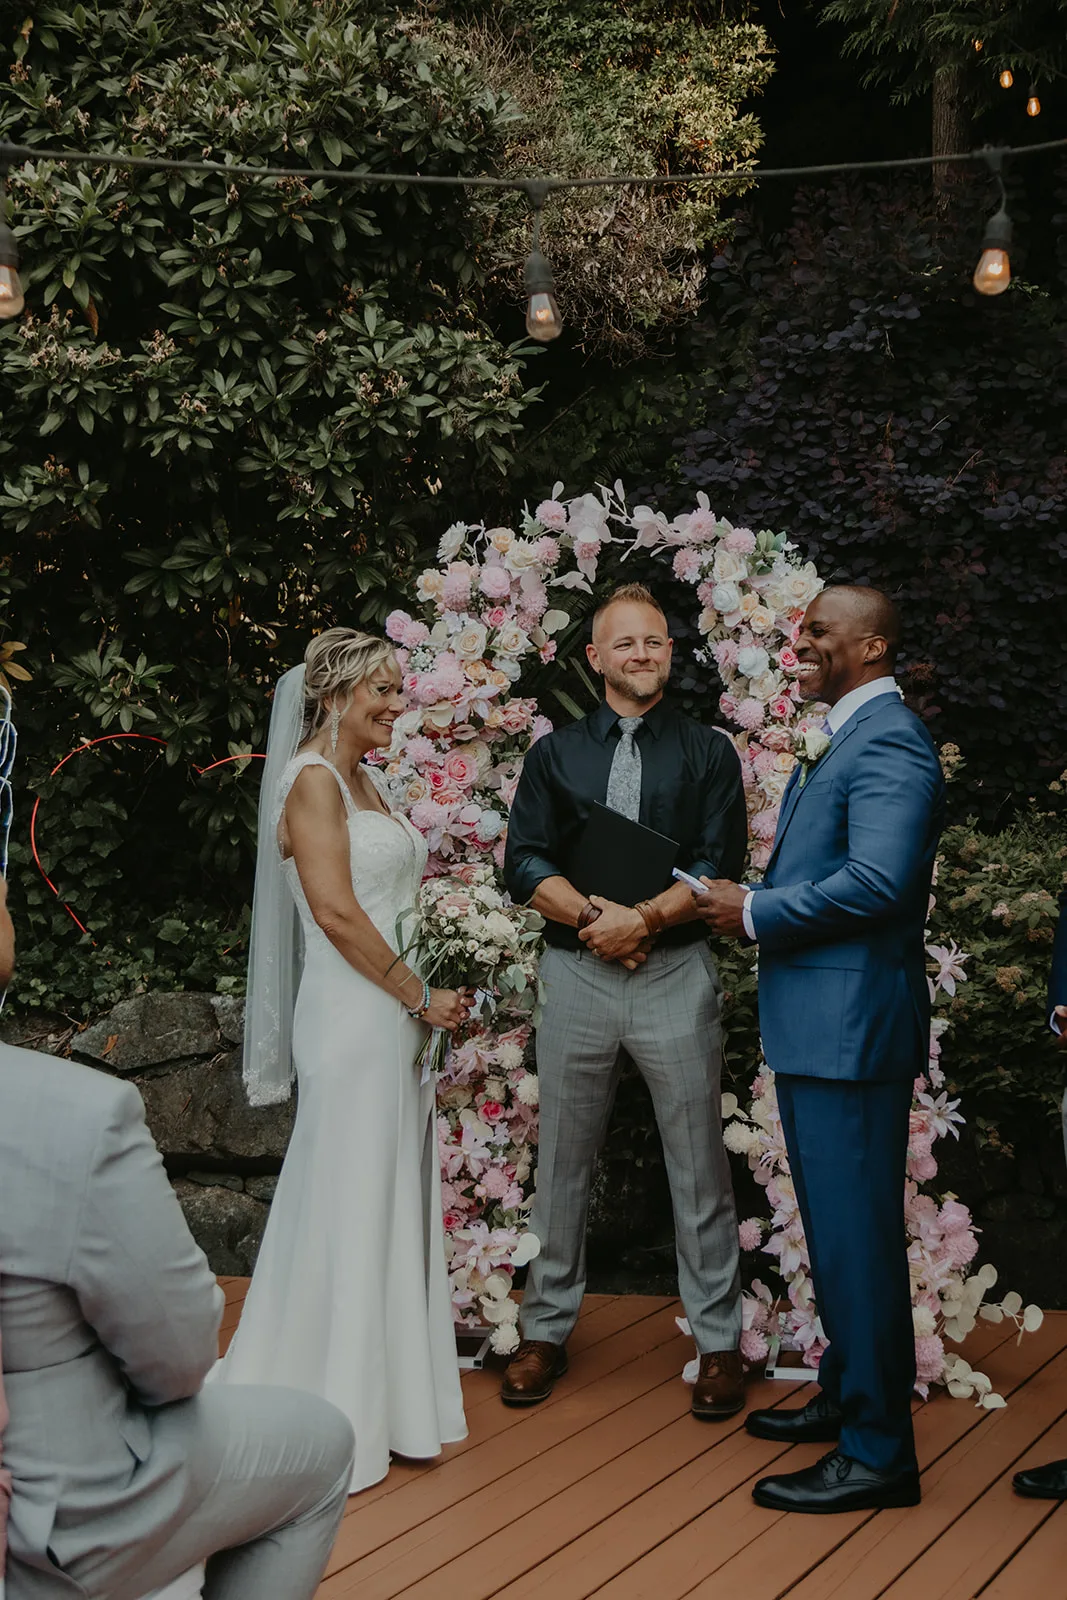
column 142, row 1282
column 893, row 792
column 1057, row 983
column 533, row 875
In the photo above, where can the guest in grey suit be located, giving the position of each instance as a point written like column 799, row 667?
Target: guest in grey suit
column 124, row 1474
column 639, row 978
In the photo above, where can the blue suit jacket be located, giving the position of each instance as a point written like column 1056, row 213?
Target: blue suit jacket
column 841, row 912
column 1057, row 982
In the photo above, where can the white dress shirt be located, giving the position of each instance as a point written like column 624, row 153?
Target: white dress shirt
column 836, row 718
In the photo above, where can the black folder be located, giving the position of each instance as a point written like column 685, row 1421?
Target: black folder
column 620, row 859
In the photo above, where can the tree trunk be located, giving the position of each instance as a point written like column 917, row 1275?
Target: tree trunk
column 951, row 130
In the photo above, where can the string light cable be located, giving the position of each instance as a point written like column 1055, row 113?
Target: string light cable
column 538, row 273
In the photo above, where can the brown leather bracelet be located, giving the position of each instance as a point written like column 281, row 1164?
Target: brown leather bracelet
column 652, row 916
column 588, row 914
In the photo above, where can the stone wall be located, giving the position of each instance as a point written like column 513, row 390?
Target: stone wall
column 183, row 1052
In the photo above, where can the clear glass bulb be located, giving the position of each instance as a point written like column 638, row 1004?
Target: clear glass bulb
column 12, row 298
column 993, row 272
column 1007, row 78
column 978, row 43
column 543, row 321
column 1033, row 106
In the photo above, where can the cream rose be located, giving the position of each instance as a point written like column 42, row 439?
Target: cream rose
column 765, row 686
column 761, row 619
column 521, row 556
column 469, row 643
column 431, row 585
column 795, row 589
column 510, row 640
column 728, row 567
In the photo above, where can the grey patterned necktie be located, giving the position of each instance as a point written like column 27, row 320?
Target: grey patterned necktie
column 624, row 779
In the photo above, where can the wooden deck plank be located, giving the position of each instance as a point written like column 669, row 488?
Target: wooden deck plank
column 803, row 1543
column 1038, row 1568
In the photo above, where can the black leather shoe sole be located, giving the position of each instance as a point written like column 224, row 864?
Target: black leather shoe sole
column 710, row 1413
column 1034, row 1489
column 903, row 1492
column 794, row 1429
column 534, row 1398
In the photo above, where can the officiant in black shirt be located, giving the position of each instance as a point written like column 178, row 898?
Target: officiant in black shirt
column 635, row 978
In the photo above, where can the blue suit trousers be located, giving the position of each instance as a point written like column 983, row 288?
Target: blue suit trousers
column 848, row 1146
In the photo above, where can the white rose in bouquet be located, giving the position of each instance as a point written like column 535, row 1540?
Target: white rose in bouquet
column 728, row 567
column 726, row 597
column 469, row 643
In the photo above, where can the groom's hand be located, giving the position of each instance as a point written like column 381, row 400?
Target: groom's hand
column 617, row 934
column 721, row 905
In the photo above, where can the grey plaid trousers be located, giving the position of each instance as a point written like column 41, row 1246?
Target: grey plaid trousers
column 666, row 1016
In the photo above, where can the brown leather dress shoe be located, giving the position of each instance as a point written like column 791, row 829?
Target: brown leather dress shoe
column 720, row 1388
column 532, row 1371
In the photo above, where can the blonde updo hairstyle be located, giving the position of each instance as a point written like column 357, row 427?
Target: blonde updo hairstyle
column 335, row 663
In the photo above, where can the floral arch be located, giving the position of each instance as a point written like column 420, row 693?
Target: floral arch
column 496, row 603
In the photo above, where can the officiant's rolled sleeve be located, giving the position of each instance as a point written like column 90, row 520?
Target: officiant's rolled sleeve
column 719, row 848
column 532, row 832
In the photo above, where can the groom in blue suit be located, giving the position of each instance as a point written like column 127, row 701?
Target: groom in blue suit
column 845, row 1018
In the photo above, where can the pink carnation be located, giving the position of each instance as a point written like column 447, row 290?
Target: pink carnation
column 764, row 824
column 496, row 1183
column 495, row 583
column 420, row 750
column 700, row 525
column 754, row 1347
column 749, row 714
column 959, row 1248
column 954, row 1217
column 725, row 653
column 929, row 1358
column 586, row 549
column 396, row 626
column 749, row 1234
column 687, row 565
column 551, row 514
column 742, row 541
column 547, row 551
column 705, row 593
column 534, row 600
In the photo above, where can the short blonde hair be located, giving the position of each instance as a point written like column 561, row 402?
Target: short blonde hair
column 335, row 663
column 628, row 594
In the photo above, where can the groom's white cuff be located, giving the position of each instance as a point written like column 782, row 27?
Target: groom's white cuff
column 746, row 915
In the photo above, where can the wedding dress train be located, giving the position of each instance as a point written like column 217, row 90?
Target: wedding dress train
column 350, row 1295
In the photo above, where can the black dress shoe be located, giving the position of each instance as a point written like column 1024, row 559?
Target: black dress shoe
column 837, row 1483
column 1043, row 1483
column 818, row 1422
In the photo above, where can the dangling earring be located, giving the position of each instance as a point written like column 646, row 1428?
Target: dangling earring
column 335, row 728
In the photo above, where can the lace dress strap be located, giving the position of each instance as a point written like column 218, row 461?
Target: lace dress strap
column 308, row 758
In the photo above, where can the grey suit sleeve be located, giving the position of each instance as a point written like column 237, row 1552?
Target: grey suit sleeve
column 142, row 1282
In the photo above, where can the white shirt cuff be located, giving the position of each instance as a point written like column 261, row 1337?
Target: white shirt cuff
column 746, row 915
column 1053, row 1021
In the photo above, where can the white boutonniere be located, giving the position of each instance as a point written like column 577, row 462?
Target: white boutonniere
column 810, row 744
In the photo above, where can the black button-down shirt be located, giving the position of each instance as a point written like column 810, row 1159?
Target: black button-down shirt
column 691, row 791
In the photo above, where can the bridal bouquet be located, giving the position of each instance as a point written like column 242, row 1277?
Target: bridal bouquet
column 469, row 934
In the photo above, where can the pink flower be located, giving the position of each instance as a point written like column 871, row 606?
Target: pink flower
column 396, row 625
column 742, row 541
column 959, row 1248
column 728, row 706
column 461, row 768
column 699, row 525
column 515, row 716
column 754, row 1347
column 687, row 565
column 453, row 1220
column 749, row 714
column 749, row 1234
column 541, row 726
column 781, row 707
column 954, row 1217
column 725, row 653
column 420, row 750
column 456, row 592
column 548, row 651
column 534, row 601
column 586, row 549
column 551, row 514
column 764, row 824
column 929, row 1358
column 547, row 551
column 705, row 591
column 788, row 659
column 496, row 1182
column 495, row 584
column 496, row 617
column 492, row 1109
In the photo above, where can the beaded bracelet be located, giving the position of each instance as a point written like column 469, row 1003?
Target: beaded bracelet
column 418, row 1012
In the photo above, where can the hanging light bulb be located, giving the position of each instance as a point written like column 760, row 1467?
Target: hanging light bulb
column 12, row 298
column 543, row 320
column 1007, row 78
column 1033, row 106
column 992, row 275
column 978, row 44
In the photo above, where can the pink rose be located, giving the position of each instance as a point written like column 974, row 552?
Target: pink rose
column 551, row 514
column 781, row 707
column 515, row 716
column 742, row 541
column 728, row 706
column 788, row 659
column 461, row 768
column 496, row 617
column 492, row 1109
column 453, row 1220
column 495, row 583
column 396, row 625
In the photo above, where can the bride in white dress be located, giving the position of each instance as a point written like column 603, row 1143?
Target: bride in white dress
column 350, row 1296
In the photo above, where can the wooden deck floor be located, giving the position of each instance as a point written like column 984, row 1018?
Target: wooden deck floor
column 611, row 1489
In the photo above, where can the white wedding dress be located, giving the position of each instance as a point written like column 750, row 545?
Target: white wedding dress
column 350, row 1295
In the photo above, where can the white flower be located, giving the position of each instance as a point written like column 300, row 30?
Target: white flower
column 765, row 686
column 509, row 1057
column 811, row 744
column 505, row 1339
column 510, row 640
column 923, row 1322
column 469, row 643
column 795, row 588
column 430, row 585
column 527, row 1090
column 521, row 556
column 728, row 566
column 452, row 542
column 726, row 597
column 740, row 1138
column 752, row 660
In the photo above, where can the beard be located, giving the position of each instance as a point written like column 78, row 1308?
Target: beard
column 641, row 689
